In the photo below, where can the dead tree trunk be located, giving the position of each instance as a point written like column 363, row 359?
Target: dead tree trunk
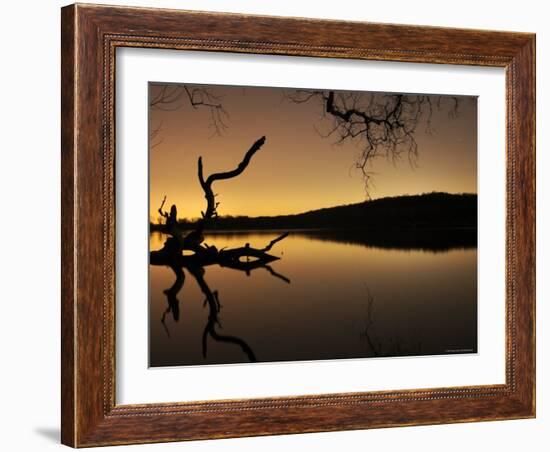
column 195, row 238
column 171, row 253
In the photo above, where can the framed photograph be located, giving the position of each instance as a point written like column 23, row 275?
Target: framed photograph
column 281, row 225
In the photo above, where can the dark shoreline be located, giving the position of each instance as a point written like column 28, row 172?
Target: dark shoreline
column 432, row 221
column 425, row 239
column 431, row 211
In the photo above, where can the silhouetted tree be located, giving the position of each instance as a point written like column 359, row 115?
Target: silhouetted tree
column 179, row 240
column 382, row 125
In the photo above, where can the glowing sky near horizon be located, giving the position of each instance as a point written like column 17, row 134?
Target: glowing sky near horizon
column 297, row 169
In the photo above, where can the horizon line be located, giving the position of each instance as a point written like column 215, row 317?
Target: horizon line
column 194, row 219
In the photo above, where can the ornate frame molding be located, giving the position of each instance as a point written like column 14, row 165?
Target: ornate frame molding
column 90, row 37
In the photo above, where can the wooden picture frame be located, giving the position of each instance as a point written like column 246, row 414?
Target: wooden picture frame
column 90, row 36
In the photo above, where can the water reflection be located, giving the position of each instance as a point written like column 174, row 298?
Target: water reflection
column 434, row 240
column 213, row 302
column 348, row 298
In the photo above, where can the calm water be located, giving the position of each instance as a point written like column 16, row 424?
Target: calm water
column 328, row 297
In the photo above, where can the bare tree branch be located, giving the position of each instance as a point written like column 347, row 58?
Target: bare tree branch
column 383, row 125
column 204, row 255
column 154, row 139
column 173, row 97
column 274, row 241
column 160, row 211
column 206, row 184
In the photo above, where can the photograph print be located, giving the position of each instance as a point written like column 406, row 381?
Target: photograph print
column 293, row 224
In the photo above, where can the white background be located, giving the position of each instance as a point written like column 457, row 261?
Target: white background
column 29, row 390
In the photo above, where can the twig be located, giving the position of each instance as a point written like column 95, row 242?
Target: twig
column 274, row 241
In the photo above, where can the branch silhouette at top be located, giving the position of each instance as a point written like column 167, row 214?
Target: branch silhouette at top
column 380, row 124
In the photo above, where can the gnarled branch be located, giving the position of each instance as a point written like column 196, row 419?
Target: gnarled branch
column 171, row 97
column 274, row 241
column 206, row 185
column 381, row 124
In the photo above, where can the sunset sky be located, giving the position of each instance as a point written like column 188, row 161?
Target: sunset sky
column 297, row 169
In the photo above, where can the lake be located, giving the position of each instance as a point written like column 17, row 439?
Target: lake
column 331, row 295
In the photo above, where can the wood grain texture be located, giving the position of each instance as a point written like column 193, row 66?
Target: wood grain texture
column 90, row 36
column 67, row 227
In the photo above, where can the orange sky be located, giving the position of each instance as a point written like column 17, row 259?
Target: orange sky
column 297, row 169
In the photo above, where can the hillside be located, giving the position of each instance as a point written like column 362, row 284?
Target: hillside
column 426, row 211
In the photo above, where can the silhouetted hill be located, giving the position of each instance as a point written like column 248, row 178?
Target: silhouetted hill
column 426, row 211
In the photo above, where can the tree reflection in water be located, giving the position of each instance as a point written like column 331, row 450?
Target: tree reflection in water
column 212, row 301
column 383, row 348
